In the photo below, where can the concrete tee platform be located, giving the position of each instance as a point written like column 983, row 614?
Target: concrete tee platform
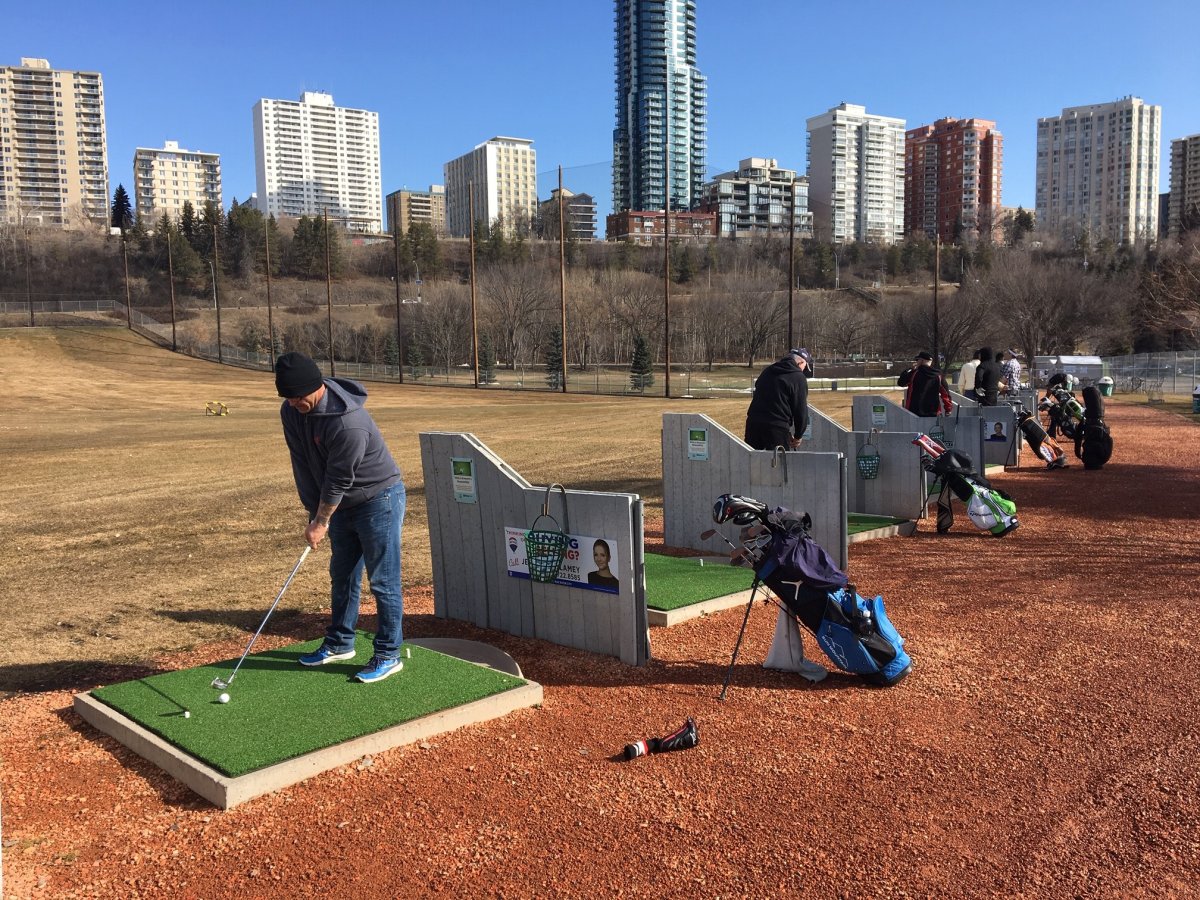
column 227, row 792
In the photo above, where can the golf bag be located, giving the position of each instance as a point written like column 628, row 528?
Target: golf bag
column 1044, row 446
column 989, row 508
column 1093, row 442
column 854, row 632
column 1063, row 410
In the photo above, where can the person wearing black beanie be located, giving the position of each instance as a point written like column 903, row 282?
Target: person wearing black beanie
column 352, row 489
column 296, row 376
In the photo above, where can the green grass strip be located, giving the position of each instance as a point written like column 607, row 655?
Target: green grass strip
column 860, row 522
column 674, row 582
column 280, row 710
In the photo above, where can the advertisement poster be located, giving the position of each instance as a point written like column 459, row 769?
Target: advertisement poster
column 878, row 415
column 463, row 472
column 697, row 443
column 589, row 563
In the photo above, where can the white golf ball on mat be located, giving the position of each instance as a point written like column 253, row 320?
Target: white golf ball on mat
column 187, row 714
column 224, row 698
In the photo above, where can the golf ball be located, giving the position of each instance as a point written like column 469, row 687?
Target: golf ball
column 224, row 698
column 187, row 714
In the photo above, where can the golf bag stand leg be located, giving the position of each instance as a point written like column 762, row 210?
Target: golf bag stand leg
column 741, row 632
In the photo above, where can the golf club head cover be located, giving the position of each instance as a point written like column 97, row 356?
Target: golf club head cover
column 684, row 738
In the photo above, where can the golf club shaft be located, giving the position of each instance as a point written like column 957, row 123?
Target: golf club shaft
column 278, row 597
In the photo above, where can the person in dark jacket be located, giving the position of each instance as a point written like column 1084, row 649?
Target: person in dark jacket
column 987, row 378
column 352, row 490
column 778, row 413
column 925, row 392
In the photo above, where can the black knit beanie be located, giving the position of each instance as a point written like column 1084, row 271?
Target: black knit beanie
column 296, row 375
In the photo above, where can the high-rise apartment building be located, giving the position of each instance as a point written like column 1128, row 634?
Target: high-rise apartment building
column 312, row 157
column 758, row 198
column 1185, row 183
column 660, row 137
column 407, row 208
column 856, row 176
column 1097, row 170
column 53, row 152
column 504, row 174
column 579, row 215
column 166, row 179
column 952, row 175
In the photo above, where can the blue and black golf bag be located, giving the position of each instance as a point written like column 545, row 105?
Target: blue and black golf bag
column 854, row 631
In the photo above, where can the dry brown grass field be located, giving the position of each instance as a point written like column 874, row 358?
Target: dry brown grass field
column 134, row 524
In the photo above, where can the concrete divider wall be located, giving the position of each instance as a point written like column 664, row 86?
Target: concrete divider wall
column 803, row 481
column 470, row 563
column 962, row 430
column 898, row 490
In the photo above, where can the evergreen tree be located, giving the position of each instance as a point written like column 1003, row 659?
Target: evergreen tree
column 487, row 359
column 415, row 352
column 122, row 210
column 554, row 359
column 684, row 266
column 641, row 369
column 188, row 225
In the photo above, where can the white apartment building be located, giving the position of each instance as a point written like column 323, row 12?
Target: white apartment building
column 504, row 173
column 1185, row 181
column 856, row 175
column 311, row 157
column 53, row 151
column 163, row 180
column 1097, row 169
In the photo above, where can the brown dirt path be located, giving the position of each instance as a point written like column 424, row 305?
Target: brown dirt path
column 1044, row 746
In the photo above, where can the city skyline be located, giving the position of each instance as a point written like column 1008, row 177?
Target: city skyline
column 444, row 79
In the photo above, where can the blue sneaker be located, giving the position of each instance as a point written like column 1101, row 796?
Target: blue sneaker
column 378, row 669
column 324, row 654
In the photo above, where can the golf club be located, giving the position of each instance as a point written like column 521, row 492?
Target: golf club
column 751, row 547
column 223, row 683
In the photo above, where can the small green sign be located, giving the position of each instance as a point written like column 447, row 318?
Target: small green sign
column 697, row 443
column 463, row 473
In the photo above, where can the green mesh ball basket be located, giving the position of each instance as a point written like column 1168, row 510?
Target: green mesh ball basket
column 546, row 548
column 544, row 551
column 868, row 462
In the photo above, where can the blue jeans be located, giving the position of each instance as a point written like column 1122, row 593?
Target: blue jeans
column 367, row 536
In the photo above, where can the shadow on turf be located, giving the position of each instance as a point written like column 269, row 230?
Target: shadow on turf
column 67, row 675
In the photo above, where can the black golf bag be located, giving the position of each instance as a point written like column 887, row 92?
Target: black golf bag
column 1063, row 410
column 1093, row 442
column 989, row 508
column 854, row 632
column 1044, row 446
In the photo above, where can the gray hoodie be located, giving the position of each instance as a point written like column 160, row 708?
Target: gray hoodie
column 338, row 454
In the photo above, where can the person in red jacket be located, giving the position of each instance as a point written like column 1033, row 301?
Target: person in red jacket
column 926, row 393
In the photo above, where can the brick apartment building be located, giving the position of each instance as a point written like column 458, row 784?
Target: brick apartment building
column 952, row 177
column 647, row 227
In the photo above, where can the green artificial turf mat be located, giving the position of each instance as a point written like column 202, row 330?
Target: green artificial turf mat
column 280, row 710
column 859, row 522
column 674, row 582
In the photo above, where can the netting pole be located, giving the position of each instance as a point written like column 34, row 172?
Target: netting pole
column 562, row 279
column 329, row 295
column 399, row 335
column 216, row 263
column 29, row 274
column 474, row 320
column 792, row 269
column 125, row 258
column 171, row 282
column 270, row 318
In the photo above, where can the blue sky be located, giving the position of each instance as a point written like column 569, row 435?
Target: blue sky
column 446, row 76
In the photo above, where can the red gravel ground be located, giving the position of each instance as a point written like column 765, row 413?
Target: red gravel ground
column 1044, row 746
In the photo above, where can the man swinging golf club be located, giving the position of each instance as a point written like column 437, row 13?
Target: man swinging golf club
column 352, row 489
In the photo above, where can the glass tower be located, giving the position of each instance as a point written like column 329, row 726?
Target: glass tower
column 659, row 141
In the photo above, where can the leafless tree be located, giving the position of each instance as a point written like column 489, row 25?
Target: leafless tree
column 757, row 310
column 710, row 323
column 965, row 321
column 446, row 323
column 634, row 302
column 511, row 298
column 1171, row 290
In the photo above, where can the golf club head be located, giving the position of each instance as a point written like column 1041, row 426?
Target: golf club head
column 705, row 535
column 220, row 684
